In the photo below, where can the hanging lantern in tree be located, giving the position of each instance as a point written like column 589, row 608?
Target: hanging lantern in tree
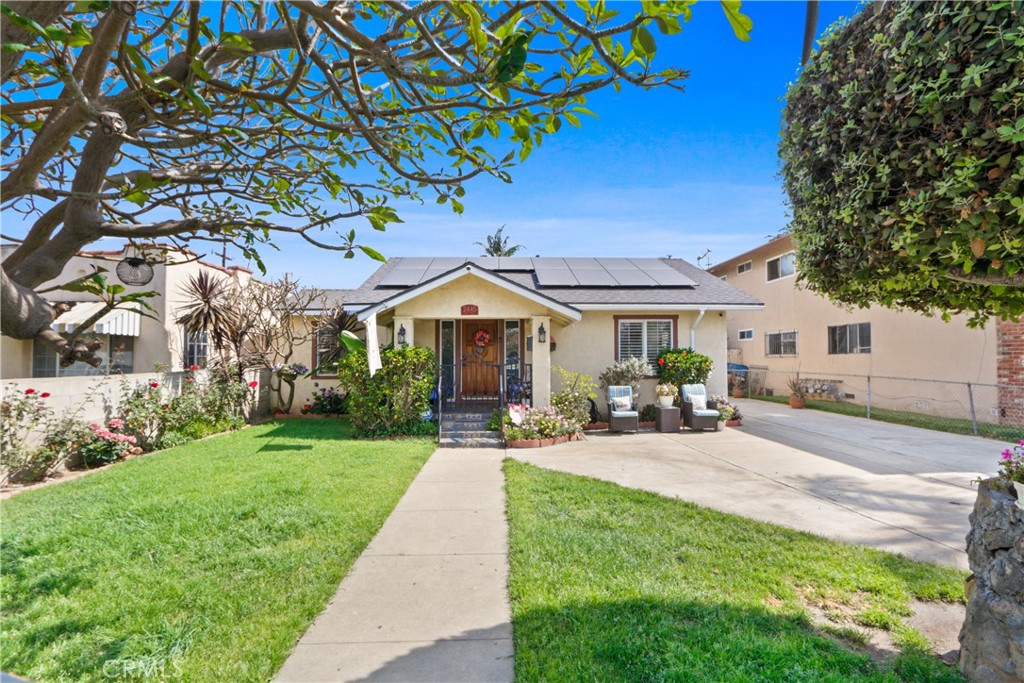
column 134, row 270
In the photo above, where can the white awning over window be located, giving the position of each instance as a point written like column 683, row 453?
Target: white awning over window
column 123, row 322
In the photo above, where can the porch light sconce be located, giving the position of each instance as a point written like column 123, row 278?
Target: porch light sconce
column 401, row 334
column 542, row 334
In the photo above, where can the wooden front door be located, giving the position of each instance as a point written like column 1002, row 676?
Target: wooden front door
column 481, row 367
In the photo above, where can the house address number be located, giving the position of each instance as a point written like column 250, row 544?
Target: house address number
column 470, row 309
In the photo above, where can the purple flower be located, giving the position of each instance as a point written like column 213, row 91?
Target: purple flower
column 1007, row 455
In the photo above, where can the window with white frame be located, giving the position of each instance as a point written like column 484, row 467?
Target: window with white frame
column 328, row 351
column 744, row 267
column 197, row 348
column 855, row 338
column 644, row 338
column 746, row 335
column 781, row 343
column 782, row 266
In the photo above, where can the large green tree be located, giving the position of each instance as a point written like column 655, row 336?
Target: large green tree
column 235, row 121
column 903, row 157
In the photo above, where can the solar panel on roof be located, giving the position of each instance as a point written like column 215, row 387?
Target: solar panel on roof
column 555, row 278
column 413, row 263
column 446, row 262
column 431, row 273
column 549, row 263
column 632, row 278
column 616, row 264
column 515, row 263
column 402, row 277
column 488, row 262
column 670, row 278
column 583, row 264
column 593, row 277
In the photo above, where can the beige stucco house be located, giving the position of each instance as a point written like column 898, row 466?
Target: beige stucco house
column 532, row 314
column 132, row 343
column 800, row 331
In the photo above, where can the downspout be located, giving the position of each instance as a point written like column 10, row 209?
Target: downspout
column 693, row 329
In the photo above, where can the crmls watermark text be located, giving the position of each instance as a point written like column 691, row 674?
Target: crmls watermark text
column 145, row 668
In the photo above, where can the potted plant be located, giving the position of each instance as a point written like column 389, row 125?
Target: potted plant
column 667, row 394
column 797, row 392
column 736, row 420
column 738, row 390
column 1011, row 469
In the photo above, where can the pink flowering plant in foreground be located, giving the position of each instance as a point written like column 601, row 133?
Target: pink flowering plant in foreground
column 1011, row 466
column 537, row 423
column 108, row 444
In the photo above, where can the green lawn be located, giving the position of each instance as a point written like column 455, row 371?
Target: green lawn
column 902, row 417
column 614, row 584
column 205, row 562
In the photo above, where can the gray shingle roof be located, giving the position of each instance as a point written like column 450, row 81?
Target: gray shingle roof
column 707, row 289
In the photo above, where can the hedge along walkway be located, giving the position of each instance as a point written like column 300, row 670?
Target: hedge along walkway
column 428, row 599
column 205, row 561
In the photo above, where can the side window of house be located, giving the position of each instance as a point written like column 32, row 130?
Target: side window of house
column 746, row 335
column 327, row 351
column 744, row 267
column 197, row 348
column 780, row 343
column 855, row 338
column 644, row 338
column 781, row 267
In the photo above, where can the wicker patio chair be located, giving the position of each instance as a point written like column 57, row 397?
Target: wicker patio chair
column 622, row 419
column 698, row 416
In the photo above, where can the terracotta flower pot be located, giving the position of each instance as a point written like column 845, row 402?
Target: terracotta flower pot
column 733, row 423
column 738, row 393
column 797, row 402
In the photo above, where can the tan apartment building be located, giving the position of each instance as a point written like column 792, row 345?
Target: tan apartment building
column 835, row 348
column 131, row 343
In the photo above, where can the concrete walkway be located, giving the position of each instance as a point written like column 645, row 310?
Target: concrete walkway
column 901, row 489
column 428, row 599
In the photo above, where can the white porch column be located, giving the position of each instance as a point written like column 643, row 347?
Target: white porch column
column 407, row 323
column 541, row 361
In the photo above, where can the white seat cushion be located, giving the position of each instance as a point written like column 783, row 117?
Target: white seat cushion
column 705, row 413
column 626, row 413
column 699, row 403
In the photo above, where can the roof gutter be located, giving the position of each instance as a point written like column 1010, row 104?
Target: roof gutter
column 670, row 307
column 694, row 326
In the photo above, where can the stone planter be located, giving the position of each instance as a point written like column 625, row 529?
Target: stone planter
column 733, row 423
column 547, row 442
column 666, row 401
column 992, row 637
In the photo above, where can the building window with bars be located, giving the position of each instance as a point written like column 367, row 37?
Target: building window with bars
column 780, row 343
column 197, row 349
column 644, row 338
column 855, row 338
column 782, row 266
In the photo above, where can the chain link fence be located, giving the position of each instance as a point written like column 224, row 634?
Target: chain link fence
column 994, row 411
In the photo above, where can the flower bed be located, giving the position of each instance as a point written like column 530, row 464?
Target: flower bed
column 542, row 443
column 537, row 427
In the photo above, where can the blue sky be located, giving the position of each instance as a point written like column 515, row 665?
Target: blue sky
column 659, row 172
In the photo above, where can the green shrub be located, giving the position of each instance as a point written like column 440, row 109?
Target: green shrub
column 326, row 401
column 684, row 366
column 573, row 400
column 627, row 372
column 648, row 413
column 393, row 400
column 173, row 438
column 903, row 157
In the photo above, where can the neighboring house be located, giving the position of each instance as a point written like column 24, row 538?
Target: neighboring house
column 131, row 343
column 581, row 314
column 800, row 331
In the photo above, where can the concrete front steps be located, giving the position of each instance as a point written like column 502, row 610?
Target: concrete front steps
column 468, row 430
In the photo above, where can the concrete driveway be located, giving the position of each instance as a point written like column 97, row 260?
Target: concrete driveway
column 900, row 489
